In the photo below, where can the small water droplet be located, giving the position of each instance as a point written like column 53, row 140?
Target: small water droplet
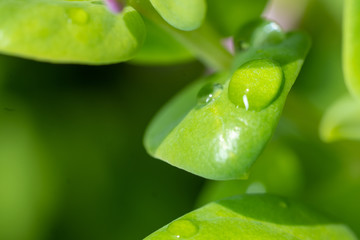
column 208, row 93
column 256, row 84
column 78, row 16
column 183, row 228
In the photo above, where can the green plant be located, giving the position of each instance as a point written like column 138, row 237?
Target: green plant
column 223, row 126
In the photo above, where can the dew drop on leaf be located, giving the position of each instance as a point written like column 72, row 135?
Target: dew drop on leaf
column 256, row 84
column 259, row 33
column 208, row 93
column 183, row 228
column 78, row 16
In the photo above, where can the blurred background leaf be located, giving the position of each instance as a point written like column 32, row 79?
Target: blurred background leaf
column 341, row 120
column 91, row 122
column 227, row 16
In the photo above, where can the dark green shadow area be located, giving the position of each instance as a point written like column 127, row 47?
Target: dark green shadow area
column 90, row 120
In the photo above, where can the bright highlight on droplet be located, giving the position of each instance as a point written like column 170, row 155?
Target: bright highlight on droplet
column 256, row 84
column 208, row 93
column 183, row 228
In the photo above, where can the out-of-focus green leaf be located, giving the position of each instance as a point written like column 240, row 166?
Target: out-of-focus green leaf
column 205, row 133
column 28, row 180
column 253, row 217
column 69, row 31
column 351, row 46
column 185, row 15
column 160, row 48
column 341, row 121
column 335, row 8
column 285, row 177
column 321, row 79
column 227, row 16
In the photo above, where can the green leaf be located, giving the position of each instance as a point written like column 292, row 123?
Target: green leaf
column 286, row 177
column 185, row 15
column 351, row 47
column 204, row 131
column 29, row 186
column 160, row 48
column 227, row 16
column 253, row 217
column 334, row 7
column 69, row 31
column 341, row 121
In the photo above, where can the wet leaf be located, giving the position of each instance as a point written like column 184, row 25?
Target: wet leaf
column 253, row 217
column 206, row 132
column 69, row 31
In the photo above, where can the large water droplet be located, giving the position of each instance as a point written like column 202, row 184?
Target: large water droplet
column 78, row 16
column 183, row 228
column 259, row 33
column 256, row 84
column 208, row 93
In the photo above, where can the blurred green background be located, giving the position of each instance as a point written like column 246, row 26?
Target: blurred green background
column 72, row 164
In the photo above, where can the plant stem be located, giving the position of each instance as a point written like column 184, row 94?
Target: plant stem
column 203, row 42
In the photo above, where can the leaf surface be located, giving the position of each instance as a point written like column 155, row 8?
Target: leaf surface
column 69, row 31
column 160, row 48
column 253, row 217
column 227, row 16
column 185, row 15
column 351, row 46
column 202, row 131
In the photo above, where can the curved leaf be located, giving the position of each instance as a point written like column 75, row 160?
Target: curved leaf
column 69, row 31
column 351, row 47
column 185, row 15
column 253, row 217
column 227, row 16
column 205, row 133
column 341, row 121
column 160, row 48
